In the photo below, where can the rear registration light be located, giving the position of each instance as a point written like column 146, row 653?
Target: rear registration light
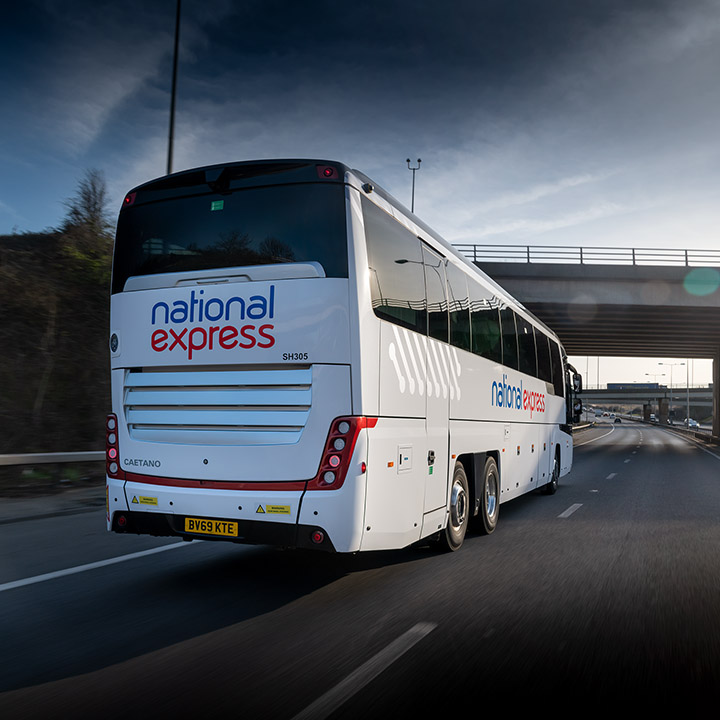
column 339, row 448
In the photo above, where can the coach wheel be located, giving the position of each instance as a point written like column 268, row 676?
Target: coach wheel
column 552, row 486
column 489, row 498
column 454, row 534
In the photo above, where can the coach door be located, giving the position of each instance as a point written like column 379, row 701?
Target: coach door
column 438, row 381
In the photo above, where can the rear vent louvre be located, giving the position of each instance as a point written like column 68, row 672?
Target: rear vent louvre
column 216, row 406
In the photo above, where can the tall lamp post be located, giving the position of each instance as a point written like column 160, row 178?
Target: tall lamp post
column 412, row 201
column 171, row 131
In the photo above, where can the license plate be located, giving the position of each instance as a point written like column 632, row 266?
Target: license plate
column 223, row 528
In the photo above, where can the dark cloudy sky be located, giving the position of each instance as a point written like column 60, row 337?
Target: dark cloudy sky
column 545, row 122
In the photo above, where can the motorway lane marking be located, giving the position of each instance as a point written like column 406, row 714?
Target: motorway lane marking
column 627, row 461
column 570, row 510
column 611, row 476
column 326, row 704
column 88, row 566
column 587, row 442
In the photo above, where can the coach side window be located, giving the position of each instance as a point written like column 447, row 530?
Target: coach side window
column 437, row 307
column 397, row 283
column 526, row 346
column 485, row 323
column 557, row 368
column 509, row 338
column 543, row 356
column 459, row 308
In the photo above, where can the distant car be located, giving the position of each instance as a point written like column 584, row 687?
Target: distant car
column 617, row 420
column 612, row 414
column 693, row 423
column 652, row 417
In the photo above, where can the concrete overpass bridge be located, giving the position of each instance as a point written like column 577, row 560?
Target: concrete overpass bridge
column 617, row 301
column 680, row 402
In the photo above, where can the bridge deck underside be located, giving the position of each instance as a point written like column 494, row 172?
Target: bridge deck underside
column 632, row 331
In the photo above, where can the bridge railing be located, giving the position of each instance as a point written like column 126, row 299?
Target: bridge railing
column 559, row 254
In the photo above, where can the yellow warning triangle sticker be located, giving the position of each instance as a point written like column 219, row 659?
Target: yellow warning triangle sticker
column 260, row 510
column 134, row 499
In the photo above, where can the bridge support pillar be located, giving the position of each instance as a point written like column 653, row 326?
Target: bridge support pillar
column 663, row 406
column 716, row 396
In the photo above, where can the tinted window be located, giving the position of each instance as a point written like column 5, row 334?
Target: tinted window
column 254, row 226
column 509, row 338
column 437, row 307
column 397, row 282
column 485, row 321
column 557, row 368
column 459, row 308
column 543, row 356
column 526, row 346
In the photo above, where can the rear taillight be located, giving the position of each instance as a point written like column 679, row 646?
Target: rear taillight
column 338, row 451
column 112, row 450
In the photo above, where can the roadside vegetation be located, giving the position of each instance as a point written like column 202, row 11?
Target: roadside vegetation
column 54, row 313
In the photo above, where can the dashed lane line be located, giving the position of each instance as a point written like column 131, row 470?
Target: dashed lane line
column 570, row 510
column 326, row 704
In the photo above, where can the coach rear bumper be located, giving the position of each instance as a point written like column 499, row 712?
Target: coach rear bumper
column 249, row 532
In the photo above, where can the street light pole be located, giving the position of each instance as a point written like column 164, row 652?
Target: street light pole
column 171, row 131
column 687, row 393
column 412, row 201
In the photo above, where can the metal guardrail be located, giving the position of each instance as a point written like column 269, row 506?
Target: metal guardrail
column 589, row 255
column 49, row 458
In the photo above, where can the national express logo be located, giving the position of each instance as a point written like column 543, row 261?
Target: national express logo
column 515, row 398
column 239, row 323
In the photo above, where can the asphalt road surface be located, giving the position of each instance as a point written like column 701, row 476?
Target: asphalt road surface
column 604, row 597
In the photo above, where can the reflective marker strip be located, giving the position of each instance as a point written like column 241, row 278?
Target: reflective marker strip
column 89, row 566
column 325, row 705
column 570, row 510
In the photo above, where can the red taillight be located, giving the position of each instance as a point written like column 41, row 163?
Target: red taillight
column 338, row 451
column 129, row 199
column 327, row 172
column 317, row 537
column 112, row 449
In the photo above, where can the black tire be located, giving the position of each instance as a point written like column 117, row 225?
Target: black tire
column 451, row 539
column 489, row 507
column 551, row 487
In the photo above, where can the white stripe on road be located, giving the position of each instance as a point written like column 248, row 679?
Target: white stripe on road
column 88, row 566
column 611, row 476
column 587, row 442
column 570, row 510
column 356, row 680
